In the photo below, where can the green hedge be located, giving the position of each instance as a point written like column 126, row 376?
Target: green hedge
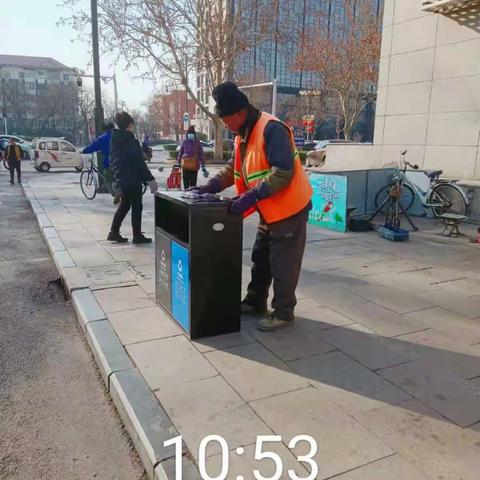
column 170, row 147
column 226, row 156
column 303, row 156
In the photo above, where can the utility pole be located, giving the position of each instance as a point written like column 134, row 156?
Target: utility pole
column 98, row 92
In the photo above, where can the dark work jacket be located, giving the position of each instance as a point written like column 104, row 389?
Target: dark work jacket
column 126, row 158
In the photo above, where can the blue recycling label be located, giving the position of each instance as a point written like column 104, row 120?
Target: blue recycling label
column 180, row 285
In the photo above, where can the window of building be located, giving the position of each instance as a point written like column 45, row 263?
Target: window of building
column 21, row 75
column 66, row 77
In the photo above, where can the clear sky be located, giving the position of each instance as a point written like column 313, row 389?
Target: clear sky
column 29, row 27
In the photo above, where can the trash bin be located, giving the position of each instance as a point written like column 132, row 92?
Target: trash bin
column 198, row 264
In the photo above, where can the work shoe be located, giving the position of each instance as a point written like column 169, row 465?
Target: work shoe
column 253, row 310
column 273, row 322
column 12, row 182
column 116, row 237
column 141, row 239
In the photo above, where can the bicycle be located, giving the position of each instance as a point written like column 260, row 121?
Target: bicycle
column 444, row 197
column 89, row 182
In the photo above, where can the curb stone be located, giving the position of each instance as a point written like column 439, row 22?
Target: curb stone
column 145, row 420
column 109, row 353
column 86, row 307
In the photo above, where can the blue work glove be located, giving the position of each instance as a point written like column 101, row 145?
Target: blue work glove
column 213, row 186
column 244, row 202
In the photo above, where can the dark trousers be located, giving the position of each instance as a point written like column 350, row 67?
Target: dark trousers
column 130, row 198
column 277, row 255
column 189, row 178
column 15, row 165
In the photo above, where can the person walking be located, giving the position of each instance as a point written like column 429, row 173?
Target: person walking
column 130, row 173
column 147, row 150
column 269, row 179
column 191, row 157
column 102, row 144
column 13, row 155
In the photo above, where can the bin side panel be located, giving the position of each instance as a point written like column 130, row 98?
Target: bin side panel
column 181, row 285
column 216, row 276
column 163, row 270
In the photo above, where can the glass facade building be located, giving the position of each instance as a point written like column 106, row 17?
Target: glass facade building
column 271, row 59
column 277, row 49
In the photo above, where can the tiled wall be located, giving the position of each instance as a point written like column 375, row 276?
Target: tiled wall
column 429, row 89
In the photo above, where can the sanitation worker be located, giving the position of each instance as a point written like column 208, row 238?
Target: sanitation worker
column 269, row 179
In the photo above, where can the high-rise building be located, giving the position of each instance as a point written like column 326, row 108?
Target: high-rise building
column 38, row 96
column 274, row 55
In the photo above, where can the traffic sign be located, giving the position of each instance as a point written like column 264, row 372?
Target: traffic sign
column 186, row 121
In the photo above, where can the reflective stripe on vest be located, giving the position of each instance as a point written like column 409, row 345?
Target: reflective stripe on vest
column 286, row 202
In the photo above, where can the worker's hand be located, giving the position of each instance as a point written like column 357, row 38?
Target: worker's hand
column 153, row 186
column 205, row 172
column 244, row 202
column 213, row 186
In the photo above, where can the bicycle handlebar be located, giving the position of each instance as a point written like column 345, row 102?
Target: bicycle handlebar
column 408, row 164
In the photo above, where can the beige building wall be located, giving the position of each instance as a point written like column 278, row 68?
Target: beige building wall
column 429, row 89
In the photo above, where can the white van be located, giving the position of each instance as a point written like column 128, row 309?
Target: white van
column 53, row 152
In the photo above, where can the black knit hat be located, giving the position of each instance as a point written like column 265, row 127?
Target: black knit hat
column 229, row 99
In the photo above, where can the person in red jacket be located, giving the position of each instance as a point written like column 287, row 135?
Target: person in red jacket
column 270, row 180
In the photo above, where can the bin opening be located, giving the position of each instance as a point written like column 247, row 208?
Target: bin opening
column 172, row 218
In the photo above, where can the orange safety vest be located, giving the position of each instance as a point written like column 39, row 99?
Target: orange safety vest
column 286, row 202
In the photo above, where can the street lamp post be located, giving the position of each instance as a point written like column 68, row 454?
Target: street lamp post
column 98, row 92
column 105, row 78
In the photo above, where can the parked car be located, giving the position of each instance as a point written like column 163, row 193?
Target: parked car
column 309, row 146
column 51, row 152
column 25, row 145
column 321, row 144
column 316, row 157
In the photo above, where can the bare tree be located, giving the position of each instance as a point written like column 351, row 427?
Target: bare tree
column 167, row 115
column 182, row 38
column 345, row 61
column 86, row 106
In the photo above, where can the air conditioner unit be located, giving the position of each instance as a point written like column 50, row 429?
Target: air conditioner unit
column 446, row 6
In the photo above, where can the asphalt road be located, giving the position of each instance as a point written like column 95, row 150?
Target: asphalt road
column 56, row 421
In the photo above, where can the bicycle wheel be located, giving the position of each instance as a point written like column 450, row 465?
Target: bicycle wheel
column 407, row 197
column 447, row 198
column 88, row 184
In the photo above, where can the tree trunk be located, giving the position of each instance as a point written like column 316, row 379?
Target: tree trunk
column 218, row 129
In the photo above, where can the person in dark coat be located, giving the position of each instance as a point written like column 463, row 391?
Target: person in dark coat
column 130, row 173
column 13, row 155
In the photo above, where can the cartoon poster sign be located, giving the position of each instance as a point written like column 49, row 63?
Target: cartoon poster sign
column 329, row 202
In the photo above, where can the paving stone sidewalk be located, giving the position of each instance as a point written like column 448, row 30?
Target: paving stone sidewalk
column 382, row 367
